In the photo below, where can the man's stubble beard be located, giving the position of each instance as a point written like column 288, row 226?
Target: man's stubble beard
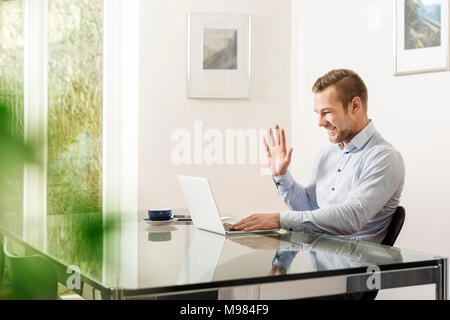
column 343, row 135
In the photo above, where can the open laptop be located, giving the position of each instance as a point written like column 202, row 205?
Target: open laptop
column 202, row 207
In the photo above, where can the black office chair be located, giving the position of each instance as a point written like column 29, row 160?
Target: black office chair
column 394, row 229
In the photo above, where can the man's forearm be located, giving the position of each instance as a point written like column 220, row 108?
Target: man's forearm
column 295, row 196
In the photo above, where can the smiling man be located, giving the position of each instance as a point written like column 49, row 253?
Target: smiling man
column 356, row 180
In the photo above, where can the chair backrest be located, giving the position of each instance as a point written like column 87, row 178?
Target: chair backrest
column 398, row 218
column 31, row 277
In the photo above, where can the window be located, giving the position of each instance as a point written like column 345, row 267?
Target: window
column 53, row 62
column 72, row 69
column 74, row 122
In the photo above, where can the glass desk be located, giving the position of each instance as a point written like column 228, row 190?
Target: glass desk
column 136, row 260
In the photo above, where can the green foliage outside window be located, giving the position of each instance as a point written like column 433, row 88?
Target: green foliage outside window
column 75, row 46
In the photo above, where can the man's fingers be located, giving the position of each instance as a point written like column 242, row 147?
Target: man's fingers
column 242, row 226
column 277, row 134
column 267, row 147
column 283, row 139
column 241, row 223
column 265, row 144
column 272, row 139
column 236, row 225
column 245, row 223
column 254, row 227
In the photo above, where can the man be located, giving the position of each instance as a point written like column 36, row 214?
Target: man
column 356, row 181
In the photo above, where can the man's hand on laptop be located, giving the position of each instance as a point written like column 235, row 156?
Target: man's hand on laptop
column 258, row 221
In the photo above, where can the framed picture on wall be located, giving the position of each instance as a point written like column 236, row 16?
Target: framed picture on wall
column 421, row 36
column 219, row 56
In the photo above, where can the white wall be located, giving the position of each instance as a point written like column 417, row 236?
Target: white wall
column 409, row 111
column 239, row 189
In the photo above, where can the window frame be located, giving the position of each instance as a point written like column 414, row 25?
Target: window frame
column 119, row 112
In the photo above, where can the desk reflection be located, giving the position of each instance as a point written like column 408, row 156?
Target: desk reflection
column 325, row 252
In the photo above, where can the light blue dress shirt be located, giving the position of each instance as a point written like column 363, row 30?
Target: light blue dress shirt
column 353, row 192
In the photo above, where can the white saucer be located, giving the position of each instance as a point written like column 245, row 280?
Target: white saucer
column 158, row 229
column 158, row 223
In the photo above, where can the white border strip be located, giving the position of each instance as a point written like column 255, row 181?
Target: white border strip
column 35, row 118
column 121, row 34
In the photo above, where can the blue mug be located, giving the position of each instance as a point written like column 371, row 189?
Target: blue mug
column 160, row 214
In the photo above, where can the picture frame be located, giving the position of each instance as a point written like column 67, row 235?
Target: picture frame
column 219, row 56
column 421, row 36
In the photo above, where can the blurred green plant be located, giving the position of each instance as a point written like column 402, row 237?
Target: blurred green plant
column 78, row 239
column 73, row 238
column 74, row 166
column 14, row 153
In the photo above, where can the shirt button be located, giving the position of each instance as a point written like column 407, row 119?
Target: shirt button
column 332, row 189
column 339, row 170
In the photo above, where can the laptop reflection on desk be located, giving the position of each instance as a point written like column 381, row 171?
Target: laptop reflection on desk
column 201, row 258
column 201, row 262
column 203, row 209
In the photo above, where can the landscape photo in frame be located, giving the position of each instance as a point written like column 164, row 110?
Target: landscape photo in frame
column 422, row 24
column 220, row 49
column 421, row 36
column 218, row 56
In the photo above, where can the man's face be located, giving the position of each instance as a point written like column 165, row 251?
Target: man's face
column 332, row 116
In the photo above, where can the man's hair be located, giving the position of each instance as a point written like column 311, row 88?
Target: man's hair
column 347, row 83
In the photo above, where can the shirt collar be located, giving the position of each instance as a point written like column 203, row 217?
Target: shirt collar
column 361, row 138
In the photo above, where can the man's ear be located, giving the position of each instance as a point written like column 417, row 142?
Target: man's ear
column 356, row 104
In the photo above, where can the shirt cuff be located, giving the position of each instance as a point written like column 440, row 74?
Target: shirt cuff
column 284, row 182
column 284, row 258
column 291, row 220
